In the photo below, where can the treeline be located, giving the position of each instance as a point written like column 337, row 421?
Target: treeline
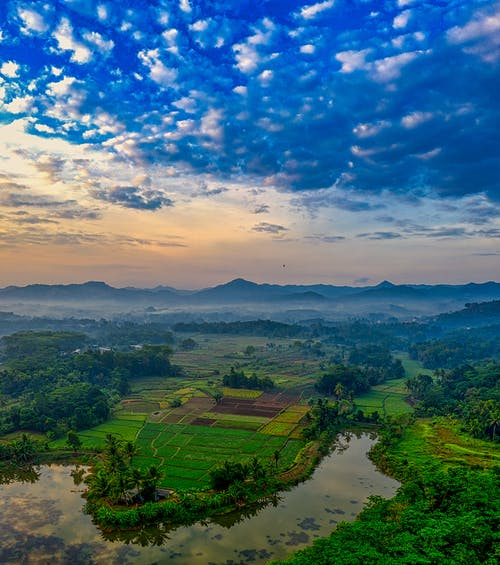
column 54, row 389
column 466, row 346
column 238, row 379
column 265, row 328
column 469, row 393
column 369, row 365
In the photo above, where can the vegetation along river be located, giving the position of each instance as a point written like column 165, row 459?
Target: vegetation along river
column 43, row 521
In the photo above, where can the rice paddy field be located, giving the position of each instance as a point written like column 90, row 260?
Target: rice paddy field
column 387, row 398
column 188, row 425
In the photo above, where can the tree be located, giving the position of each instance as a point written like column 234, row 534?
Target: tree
column 276, row 457
column 73, row 440
column 131, row 450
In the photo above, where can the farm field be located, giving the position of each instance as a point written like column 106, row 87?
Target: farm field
column 188, row 425
column 187, row 453
column 123, row 428
column 412, row 366
column 387, row 398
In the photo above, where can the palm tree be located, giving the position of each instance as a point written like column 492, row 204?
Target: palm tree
column 24, row 449
column 130, row 450
column 150, row 482
column 99, row 485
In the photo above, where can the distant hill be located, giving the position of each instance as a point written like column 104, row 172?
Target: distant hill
column 89, row 291
column 473, row 315
column 388, row 298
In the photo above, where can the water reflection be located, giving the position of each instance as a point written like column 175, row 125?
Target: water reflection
column 28, row 474
column 43, row 521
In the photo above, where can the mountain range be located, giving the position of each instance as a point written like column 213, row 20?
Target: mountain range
column 384, row 297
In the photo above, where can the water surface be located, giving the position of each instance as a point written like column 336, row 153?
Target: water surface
column 43, row 521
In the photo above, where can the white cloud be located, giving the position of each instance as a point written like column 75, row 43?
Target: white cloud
column 32, row 21
column 352, row 60
column 311, row 11
column 308, row 49
column 480, row 36
column 246, row 53
column 370, row 129
column 476, row 28
column 401, row 20
column 158, row 72
column 390, row 67
column 43, row 128
column 240, row 89
column 186, row 103
column 10, row 69
column 102, row 12
column 20, row 105
column 247, row 58
column 266, row 77
column 62, row 87
column 211, row 124
column 104, row 45
column 65, row 40
column 200, row 25
column 185, row 6
column 415, row 119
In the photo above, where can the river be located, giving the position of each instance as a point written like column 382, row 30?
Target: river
column 42, row 522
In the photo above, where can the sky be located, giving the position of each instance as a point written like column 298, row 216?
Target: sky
column 189, row 142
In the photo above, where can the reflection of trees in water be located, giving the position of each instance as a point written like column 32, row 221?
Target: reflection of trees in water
column 151, row 535
column 343, row 439
column 159, row 535
column 230, row 519
column 27, row 474
column 78, row 475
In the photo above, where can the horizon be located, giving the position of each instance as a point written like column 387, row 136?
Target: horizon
column 237, row 279
column 337, row 142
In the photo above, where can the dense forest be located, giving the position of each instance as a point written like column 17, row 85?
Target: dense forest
column 470, row 393
column 49, row 386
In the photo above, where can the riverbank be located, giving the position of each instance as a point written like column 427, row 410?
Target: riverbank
column 445, row 513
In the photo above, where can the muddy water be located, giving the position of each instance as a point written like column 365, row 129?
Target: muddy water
column 43, row 522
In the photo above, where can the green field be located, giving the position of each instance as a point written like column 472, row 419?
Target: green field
column 387, row 398
column 411, row 366
column 176, row 424
column 187, row 453
column 124, row 429
column 441, row 439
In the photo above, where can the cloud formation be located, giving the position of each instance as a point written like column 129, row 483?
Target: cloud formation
column 301, row 96
column 353, row 123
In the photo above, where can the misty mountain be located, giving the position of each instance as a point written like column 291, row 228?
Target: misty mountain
column 403, row 301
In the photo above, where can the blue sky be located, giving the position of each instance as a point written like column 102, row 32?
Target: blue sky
column 188, row 142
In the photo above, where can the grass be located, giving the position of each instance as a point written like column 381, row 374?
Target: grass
column 386, row 399
column 442, row 439
column 412, row 367
column 93, row 438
